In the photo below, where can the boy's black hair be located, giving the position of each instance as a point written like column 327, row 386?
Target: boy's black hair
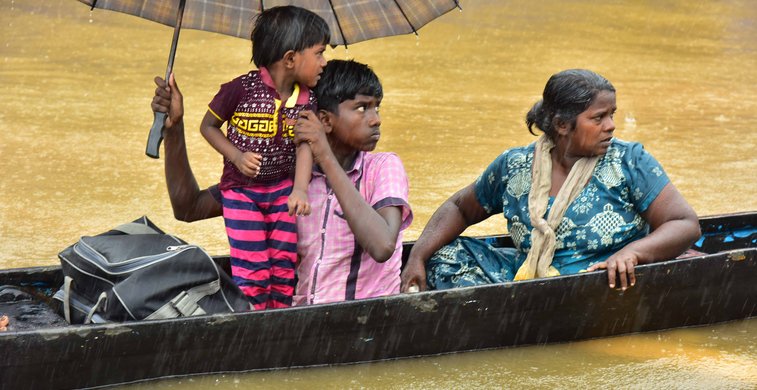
column 280, row 29
column 342, row 80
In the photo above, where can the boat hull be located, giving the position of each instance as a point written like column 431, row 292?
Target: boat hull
column 695, row 291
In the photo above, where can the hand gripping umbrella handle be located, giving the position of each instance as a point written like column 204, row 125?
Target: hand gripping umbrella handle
column 156, row 132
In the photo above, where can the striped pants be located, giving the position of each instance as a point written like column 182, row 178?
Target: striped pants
column 263, row 241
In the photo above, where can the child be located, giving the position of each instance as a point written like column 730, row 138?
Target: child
column 359, row 199
column 261, row 108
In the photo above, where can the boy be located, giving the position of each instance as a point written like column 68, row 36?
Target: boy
column 350, row 245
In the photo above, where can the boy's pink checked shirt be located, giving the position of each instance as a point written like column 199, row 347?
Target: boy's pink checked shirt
column 331, row 266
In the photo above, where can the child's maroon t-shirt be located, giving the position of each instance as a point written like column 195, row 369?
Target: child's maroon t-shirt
column 259, row 122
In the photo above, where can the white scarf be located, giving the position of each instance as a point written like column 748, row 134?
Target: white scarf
column 543, row 239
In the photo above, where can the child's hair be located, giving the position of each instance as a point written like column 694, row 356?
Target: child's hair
column 566, row 95
column 342, row 80
column 280, row 29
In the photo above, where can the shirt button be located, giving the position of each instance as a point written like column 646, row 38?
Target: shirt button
column 323, row 231
column 331, row 196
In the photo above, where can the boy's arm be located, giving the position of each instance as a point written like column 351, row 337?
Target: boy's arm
column 303, row 170
column 189, row 203
column 375, row 231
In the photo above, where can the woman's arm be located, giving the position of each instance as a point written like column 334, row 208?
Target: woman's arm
column 189, row 203
column 449, row 221
column 675, row 227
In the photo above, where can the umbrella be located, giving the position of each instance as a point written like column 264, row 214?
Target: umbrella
column 350, row 21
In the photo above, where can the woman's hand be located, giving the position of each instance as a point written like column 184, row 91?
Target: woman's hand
column 248, row 163
column 675, row 228
column 619, row 266
column 413, row 276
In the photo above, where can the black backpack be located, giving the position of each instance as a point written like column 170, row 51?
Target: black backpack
column 138, row 272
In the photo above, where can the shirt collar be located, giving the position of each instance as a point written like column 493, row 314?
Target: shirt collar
column 357, row 166
column 299, row 95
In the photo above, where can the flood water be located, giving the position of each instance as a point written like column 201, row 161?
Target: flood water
column 74, row 113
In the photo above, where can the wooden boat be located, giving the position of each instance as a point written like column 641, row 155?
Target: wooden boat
column 706, row 289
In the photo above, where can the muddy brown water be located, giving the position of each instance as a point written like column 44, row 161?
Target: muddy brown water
column 74, row 115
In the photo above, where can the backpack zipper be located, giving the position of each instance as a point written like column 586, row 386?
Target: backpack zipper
column 84, row 250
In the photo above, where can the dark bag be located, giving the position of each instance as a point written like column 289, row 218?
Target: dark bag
column 137, row 272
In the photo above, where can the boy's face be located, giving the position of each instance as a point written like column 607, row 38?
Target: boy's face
column 308, row 65
column 355, row 125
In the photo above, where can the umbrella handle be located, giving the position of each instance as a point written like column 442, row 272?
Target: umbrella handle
column 156, row 131
column 155, row 136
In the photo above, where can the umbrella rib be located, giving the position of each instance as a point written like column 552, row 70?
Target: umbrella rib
column 399, row 7
column 338, row 25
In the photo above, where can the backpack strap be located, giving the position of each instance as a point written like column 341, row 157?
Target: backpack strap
column 185, row 303
column 91, row 316
column 94, row 308
column 67, row 298
column 135, row 228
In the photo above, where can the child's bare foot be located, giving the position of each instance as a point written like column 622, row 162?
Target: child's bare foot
column 4, row 323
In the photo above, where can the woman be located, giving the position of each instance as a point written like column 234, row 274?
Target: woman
column 576, row 200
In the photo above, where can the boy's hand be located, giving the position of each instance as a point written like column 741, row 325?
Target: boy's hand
column 248, row 163
column 298, row 203
column 310, row 129
column 168, row 99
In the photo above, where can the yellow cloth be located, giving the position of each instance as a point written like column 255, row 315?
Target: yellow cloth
column 543, row 239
